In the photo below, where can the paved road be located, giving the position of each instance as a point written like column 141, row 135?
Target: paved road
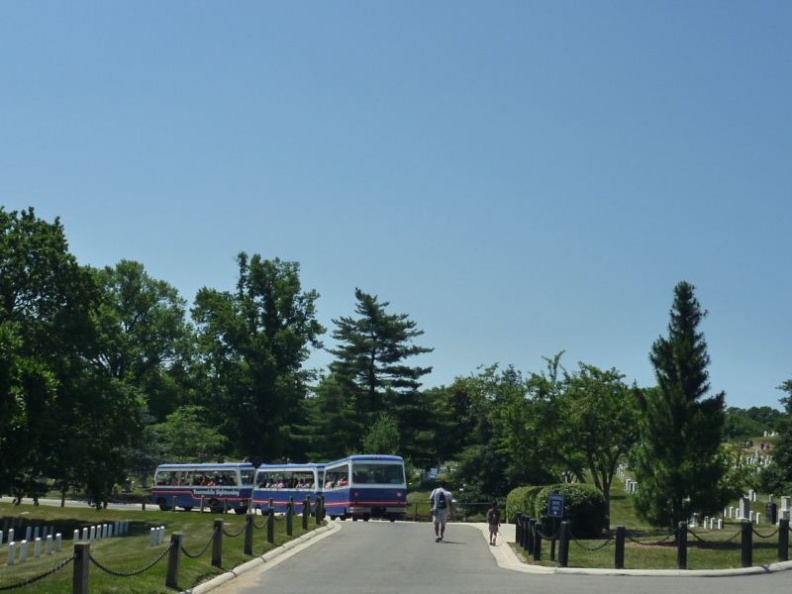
column 76, row 503
column 402, row 558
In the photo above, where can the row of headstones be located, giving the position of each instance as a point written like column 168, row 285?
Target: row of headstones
column 785, row 504
column 52, row 541
column 743, row 512
column 758, row 460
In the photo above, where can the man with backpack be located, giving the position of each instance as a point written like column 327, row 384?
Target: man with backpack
column 440, row 500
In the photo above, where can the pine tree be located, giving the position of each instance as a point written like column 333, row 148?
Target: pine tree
column 678, row 464
column 370, row 364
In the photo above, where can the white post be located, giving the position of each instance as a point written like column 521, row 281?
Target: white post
column 11, row 552
column 37, row 548
column 23, row 551
column 58, row 542
column 48, row 545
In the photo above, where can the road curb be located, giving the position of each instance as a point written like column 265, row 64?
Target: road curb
column 268, row 558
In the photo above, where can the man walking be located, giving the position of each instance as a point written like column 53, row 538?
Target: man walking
column 440, row 500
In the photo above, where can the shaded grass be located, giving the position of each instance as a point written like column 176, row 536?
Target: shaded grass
column 132, row 553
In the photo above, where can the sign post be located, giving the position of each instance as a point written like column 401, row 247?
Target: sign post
column 555, row 510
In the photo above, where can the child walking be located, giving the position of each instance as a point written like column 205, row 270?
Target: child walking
column 493, row 519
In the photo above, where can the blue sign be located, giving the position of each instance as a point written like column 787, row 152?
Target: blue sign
column 555, row 506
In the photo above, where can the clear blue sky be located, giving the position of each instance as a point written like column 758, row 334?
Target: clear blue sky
column 520, row 178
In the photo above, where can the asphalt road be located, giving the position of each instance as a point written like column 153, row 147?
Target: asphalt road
column 77, row 503
column 402, row 558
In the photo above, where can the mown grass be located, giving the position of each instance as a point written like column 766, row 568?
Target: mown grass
column 131, row 553
column 647, row 547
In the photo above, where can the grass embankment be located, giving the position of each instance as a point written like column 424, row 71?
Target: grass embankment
column 133, row 552
column 647, row 547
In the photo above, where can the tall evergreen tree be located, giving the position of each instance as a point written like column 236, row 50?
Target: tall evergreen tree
column 370, row 363
column 332, row 430
column 678, row 465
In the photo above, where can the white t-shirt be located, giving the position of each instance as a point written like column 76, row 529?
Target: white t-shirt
column 435, row 497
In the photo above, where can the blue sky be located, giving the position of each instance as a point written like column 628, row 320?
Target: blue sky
column 520, row 178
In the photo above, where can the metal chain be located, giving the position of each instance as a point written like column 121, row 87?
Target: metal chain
column 771, row 535
column 235, row 534
column 131, row 573
column 590, row 549
column 34, row 579
column 656, row 542
column 544, row 536
column 260, row 526
column 203, row 550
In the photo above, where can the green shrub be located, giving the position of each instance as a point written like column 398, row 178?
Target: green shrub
column 521, row 500
column 584, row 508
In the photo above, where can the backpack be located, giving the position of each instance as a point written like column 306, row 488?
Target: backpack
column 441, row 500
column 493, row 516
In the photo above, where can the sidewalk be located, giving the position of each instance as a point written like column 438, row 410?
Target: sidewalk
column 508, row 559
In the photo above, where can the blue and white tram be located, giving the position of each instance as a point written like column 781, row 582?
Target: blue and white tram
column 283, row 483
column 220, row 487
column 365, row 486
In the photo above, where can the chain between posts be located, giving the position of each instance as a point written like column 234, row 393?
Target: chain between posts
column 589, row 549
column 203, row 550
column 131, row 573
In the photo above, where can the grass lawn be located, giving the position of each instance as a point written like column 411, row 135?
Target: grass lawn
column 132, row 553
column 647, row 547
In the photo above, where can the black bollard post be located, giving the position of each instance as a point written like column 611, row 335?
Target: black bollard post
column 620, row 534
column 290, row 516
column 537, row 543
column 248, row 534
column 528, row 537
column 81, row 563
column 217, row 544
column 747, row 543
column 783, row 540
column 271, row 521
column 682, row 546
column 172, row 577
column 563, row 544
column 319, row 512
column 306, row 512
column 518, row 527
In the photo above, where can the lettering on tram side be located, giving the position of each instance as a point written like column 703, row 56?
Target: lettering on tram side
column 211, row 491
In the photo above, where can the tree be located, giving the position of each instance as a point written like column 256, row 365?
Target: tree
column 332, row 426
column 370, row 364
column 186, row 436
column 777, row 477
column 599, row 419
column 679, row 465
column 252, row 345
column 46, row 333
column 142, row 333
column 383, row 436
